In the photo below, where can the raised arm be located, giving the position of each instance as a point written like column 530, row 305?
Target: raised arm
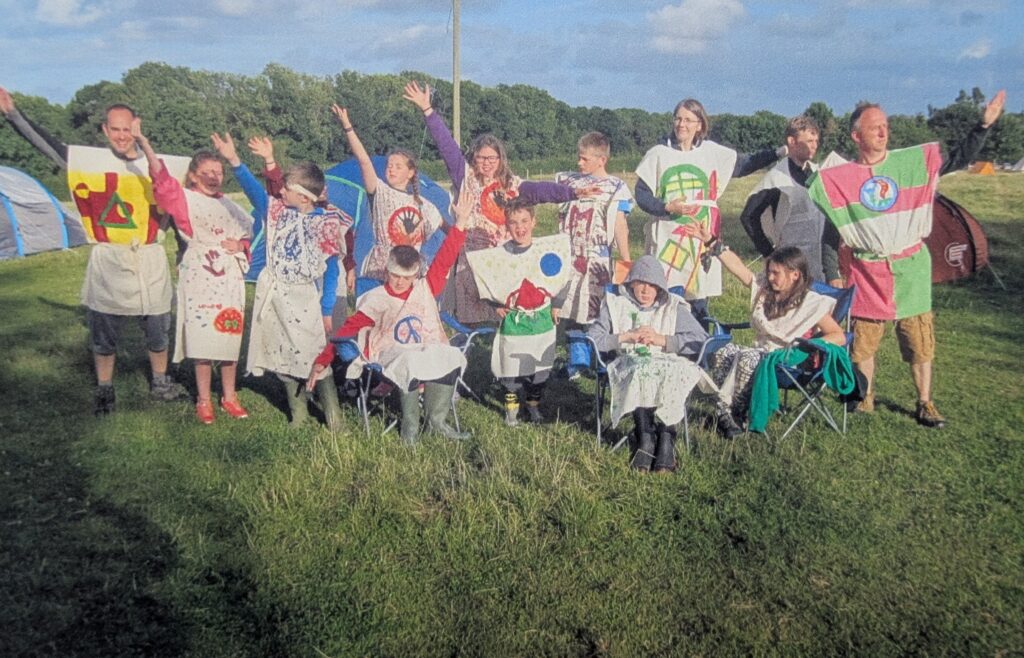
column 748, row 163
column 454, row 161
column 35, row 135
column 356, row 145
column 167, row 191
column 446, row 256
column 967, row 150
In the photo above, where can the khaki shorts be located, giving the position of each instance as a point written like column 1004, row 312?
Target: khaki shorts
column 915, row 335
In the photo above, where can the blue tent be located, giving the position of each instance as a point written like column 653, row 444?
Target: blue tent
column 31, row 219
column 346, row 191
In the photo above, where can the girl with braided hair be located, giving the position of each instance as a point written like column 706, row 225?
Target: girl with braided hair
column 400, row 216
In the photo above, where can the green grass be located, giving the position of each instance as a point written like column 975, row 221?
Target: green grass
column 148, row 534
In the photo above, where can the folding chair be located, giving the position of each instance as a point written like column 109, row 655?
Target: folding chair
column 809, row 378
column 583, row 354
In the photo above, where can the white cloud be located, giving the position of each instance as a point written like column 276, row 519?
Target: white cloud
column 693, row 25
column 69, row 12
column 234, row 7
column 980, row 49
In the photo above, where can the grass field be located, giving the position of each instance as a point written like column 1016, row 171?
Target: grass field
column 148, row 534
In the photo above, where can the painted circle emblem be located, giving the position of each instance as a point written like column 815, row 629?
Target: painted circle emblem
column 550, row 264
column 229, row 321
column 492, row 203
column 406, row 227
column 409, row 330
column 879, row 193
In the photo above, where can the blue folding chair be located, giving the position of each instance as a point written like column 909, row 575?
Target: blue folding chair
column 809, row 378
column 584, row 355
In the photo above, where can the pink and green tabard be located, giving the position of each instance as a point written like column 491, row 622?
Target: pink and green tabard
column 883, row 212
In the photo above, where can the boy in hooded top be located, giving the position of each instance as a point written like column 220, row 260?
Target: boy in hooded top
column 654, row 336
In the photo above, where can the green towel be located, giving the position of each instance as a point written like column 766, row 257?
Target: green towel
column 837, row 371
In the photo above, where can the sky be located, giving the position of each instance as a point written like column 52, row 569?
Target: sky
column 736, row 56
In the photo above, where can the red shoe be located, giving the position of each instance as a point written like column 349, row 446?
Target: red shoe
column 204, row 412
column 233, row 409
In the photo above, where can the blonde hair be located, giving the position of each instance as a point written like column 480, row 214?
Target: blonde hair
column 596, row 141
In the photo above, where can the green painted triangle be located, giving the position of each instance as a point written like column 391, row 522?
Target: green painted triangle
column 118, row 202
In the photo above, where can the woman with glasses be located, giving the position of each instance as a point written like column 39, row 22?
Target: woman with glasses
column 490, row 183
column 679, row 182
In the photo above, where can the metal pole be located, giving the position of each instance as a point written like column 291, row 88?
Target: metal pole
column 456, row 95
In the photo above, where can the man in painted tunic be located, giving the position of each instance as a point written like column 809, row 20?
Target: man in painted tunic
column 881, row 206
column 123, row 280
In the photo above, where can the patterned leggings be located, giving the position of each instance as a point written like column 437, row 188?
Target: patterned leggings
column 732, row 368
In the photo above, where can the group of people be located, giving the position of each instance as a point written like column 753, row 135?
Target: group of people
column 491, row 268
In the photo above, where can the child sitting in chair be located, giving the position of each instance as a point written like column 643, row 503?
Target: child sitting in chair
column 405, row 336
column 651, row 331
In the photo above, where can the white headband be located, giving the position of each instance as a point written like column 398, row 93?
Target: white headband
column 295, row 187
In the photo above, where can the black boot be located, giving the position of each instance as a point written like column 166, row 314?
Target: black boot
column 645, row 440
column 665, row 452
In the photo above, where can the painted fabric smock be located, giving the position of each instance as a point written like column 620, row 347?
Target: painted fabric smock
column 797, row 221
column 127, row 272
column 397, row 220
column 211, row 282
column 883, row 212
column 733, row 366
column 643, row 376
column 287, row 328
column 699, row 176
column 524, row 282
column 590, row 224
column 407, row 338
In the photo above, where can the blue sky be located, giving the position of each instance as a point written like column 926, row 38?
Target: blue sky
column 736, row 56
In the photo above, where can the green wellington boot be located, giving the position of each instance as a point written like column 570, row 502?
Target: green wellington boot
column 410, row 427
column 436, row 399
column 295, row 392
column 327, row 394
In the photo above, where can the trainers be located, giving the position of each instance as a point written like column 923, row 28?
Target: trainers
column 929, row 416
column 204, row 411
column 727, row 426
column 867, row 405
column 104, row 400
column 233, row 408
column 167, row 390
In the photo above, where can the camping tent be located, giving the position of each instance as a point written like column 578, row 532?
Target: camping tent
column 983, row 168
column 1019, row 166
column 345, row 190
column 31, row 219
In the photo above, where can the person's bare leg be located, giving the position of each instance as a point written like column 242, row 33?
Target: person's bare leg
column 228, row 370
column 867, row 368
column 922, row 374
column 204, row 374
column 104, row 367
column 158, row 363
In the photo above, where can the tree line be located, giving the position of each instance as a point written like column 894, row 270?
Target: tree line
column 181, row 107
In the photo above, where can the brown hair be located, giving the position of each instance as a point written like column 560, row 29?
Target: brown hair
column 859, row 110
column 694, row 105
column 306, row 174
column 792, row 259
column 410, row 161
column 595, row 141
column 504, row 174
column 801, row 123
column 515, row 204
column 406, row 257
column 197, row 160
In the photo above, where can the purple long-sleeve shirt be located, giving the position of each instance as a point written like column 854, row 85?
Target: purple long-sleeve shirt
column 455, row 163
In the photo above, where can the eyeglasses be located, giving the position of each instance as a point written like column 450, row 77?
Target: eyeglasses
column 486, row 158
column 689, row 122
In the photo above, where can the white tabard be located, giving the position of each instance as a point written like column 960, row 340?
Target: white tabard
column 397, row 220
column 699, row 176
column 211, row 282
column 649, row 377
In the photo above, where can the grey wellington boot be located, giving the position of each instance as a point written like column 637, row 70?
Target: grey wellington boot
column 327, row 393
column 295, row 392
column 436, row 399
column 410, row 428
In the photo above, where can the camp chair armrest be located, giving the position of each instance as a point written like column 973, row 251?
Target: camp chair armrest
column 449, row 320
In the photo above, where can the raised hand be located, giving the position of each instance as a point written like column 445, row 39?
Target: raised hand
column 6, row 102
column 262, row 147
column 588, row 192
column 226, row 147
column 463, row 209
column 994, row 108
column 697, row 230
column 418, row 96
column 342, row 114
column 136, row 130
